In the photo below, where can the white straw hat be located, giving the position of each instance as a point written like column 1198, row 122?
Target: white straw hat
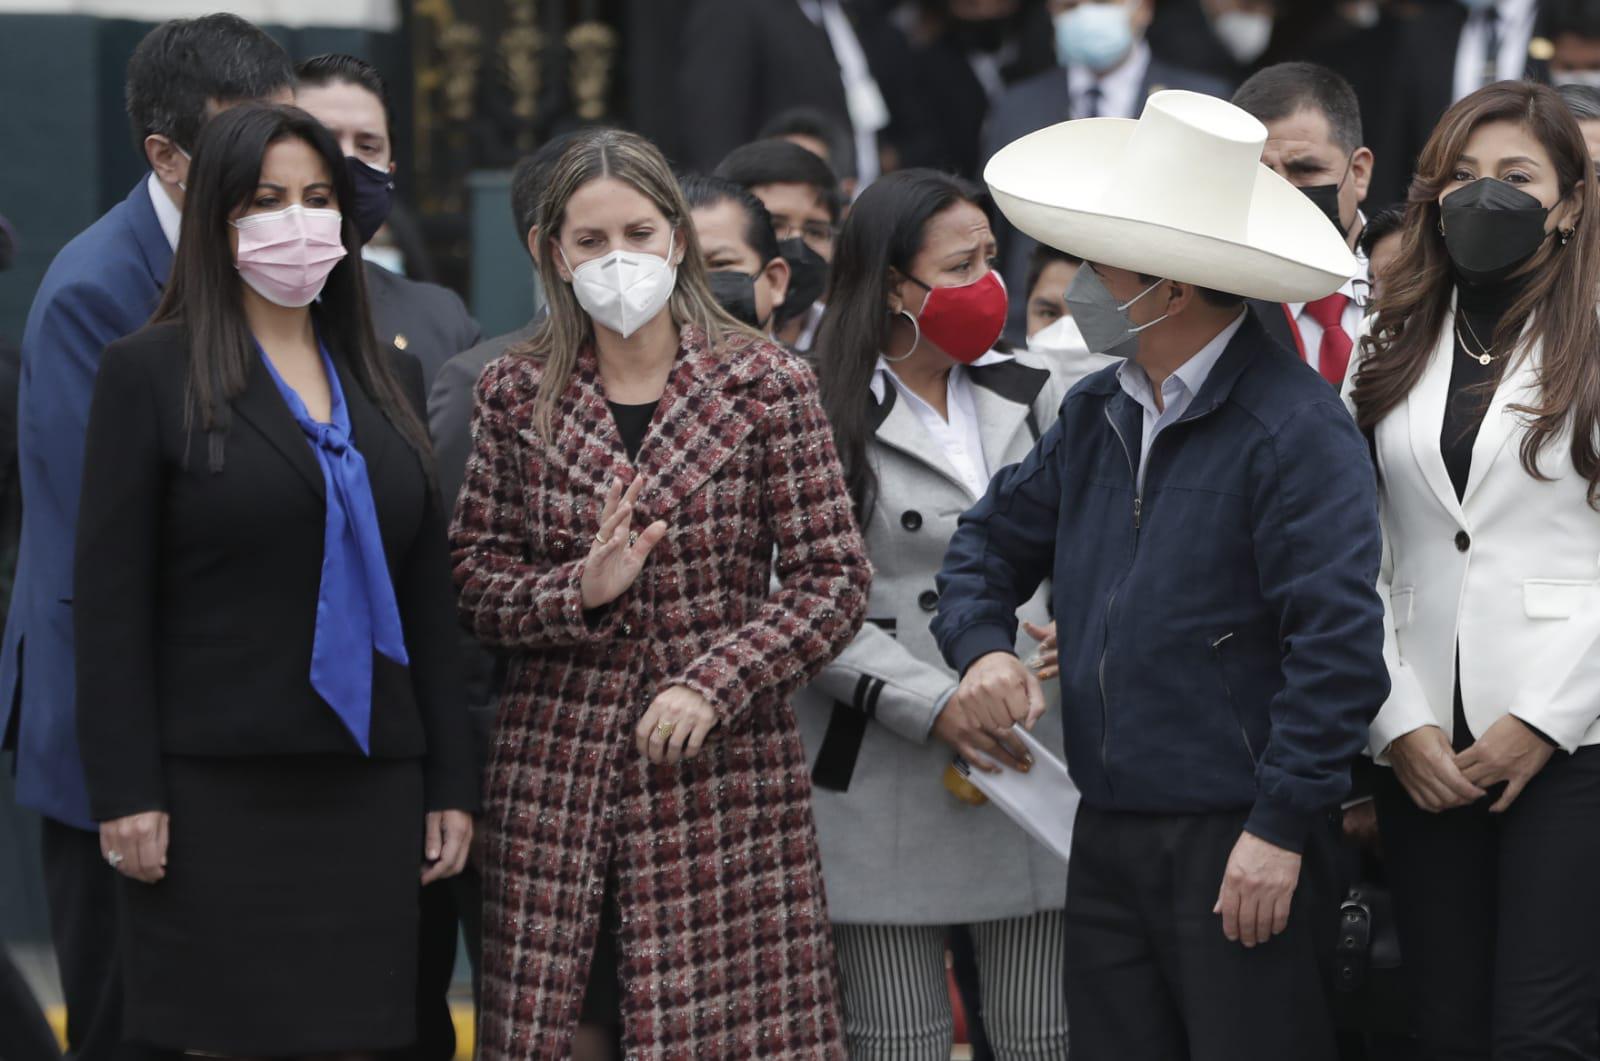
column 1181, row 194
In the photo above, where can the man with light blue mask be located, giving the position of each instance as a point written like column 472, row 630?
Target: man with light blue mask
column 1106, row 71
column 1207, row 513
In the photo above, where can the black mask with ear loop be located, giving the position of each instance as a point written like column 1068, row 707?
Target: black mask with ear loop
column 1326, row 198
column 1491, row 229
column 736, row 293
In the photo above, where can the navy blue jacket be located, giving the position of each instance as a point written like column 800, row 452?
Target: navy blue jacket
column 102, row 286
column 1221, row 637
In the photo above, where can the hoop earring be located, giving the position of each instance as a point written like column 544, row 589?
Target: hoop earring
column 916, row 330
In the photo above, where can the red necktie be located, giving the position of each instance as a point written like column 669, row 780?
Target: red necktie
column 1333, row 355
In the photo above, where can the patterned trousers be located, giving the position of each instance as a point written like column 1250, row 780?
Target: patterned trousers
column 897, row 993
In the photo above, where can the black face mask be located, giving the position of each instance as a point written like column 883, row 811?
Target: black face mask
column 374, row 191
column 736, row 293
column 808, row 278
column 1491, row 229
column 1326, row 198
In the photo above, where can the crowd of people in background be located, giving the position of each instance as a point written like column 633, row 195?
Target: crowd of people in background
column 896, row 429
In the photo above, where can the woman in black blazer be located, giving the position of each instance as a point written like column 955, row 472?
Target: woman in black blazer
column 268, row 704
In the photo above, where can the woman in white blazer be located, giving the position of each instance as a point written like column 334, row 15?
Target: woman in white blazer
column 1478, row 384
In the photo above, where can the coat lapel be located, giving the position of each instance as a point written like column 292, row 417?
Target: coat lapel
column 370, row 430
column 901, row 429
column 263, row 408
column 699, row 424
column 1425, row 407
column 1519, row 387
column 586, row 442
column 1003, row 395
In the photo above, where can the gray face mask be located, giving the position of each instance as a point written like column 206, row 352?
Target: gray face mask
column 1102, row 320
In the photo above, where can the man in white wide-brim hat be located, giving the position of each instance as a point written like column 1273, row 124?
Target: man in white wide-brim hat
column 1207, row 513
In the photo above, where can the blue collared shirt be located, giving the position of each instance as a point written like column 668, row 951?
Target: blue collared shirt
column 1177, row 390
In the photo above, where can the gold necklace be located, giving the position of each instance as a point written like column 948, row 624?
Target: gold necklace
column 1482, row 357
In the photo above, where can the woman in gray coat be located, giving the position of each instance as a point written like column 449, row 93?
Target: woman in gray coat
column 923, row 413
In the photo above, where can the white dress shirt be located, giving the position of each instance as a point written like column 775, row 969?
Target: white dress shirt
column 167, row 212
column 1177, row 390
column 1356, row 290
column 957, row 437
column 1514, row 20
column 1121, row 88
column 868, row 111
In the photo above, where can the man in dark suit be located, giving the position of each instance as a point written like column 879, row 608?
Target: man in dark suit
column 1089, row 83
column 1449, row 51
column 745, row 61
column 1314, row 142
column 102, row 286
column 349, row 96
column 429, row 323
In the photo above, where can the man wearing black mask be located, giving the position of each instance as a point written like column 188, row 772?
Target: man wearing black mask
column 748, row 274
column 800, row 192
column 1314, row 142
column 348, row 95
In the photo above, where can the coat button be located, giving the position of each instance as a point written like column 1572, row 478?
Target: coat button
column 1463, row 541
column 928, row 601
column 911, row 521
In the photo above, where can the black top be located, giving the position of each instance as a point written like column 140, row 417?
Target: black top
column 196, row 592
column 633, row 421
column 1472, row 383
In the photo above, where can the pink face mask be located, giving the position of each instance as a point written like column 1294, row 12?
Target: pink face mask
column 286, row 255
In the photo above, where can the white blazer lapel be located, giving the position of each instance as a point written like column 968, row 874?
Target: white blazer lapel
column 902, row 430
column 1425, row 407
column 1519, row 387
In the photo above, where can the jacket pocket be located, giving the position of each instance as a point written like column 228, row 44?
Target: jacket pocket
column 1218, row 647
column 1553, row 598
column 1400, row 605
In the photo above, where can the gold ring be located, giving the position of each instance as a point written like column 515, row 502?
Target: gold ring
column 664, row 730
column 601, row 541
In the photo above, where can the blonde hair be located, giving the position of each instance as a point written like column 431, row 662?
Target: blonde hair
column 636, row 162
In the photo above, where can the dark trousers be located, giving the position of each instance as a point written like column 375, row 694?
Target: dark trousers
column 446, row 906
column 1498, row 916
column 1151, row 977
column 85, row 927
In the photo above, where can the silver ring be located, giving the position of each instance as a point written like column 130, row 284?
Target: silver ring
column 115, row 858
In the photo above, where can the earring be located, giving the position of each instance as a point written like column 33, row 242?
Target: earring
column 915, row 342
column 1566, row 235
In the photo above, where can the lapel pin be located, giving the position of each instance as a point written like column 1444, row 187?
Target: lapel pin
column 401, row 342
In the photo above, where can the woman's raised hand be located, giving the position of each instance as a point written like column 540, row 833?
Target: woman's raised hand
column 617, row 556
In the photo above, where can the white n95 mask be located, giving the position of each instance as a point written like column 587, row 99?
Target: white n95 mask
column 624, row 290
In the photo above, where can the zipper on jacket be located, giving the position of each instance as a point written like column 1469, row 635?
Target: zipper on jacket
column 1111, row 603
column 1227, row 686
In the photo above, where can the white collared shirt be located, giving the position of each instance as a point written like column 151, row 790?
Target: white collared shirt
column 1121, row 88
column 863, row 99
column 959, row 437
column 1356, row 289
column 1514, row 21
column 167, row 212
column 1177, row 390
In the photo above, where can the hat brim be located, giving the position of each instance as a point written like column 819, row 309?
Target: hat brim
column 1050, row 184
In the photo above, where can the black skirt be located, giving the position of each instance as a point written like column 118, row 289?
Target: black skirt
column 287, row 921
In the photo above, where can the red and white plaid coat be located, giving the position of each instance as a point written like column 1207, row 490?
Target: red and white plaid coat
column 724, row 946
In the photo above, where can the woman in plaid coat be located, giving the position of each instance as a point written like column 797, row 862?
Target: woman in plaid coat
column 651, row 871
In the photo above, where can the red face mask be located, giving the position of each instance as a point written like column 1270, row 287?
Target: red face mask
column 964, row 321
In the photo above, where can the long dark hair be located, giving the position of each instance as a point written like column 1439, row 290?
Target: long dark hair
column 1558, row 301
column 205, row 293
column 886, row 229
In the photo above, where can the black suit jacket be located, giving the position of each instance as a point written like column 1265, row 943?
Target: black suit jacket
column 1276, row 322
column 1422, row 89
column 196, row 593
column 1034, row 104
column 427, row 321
column 745, row 61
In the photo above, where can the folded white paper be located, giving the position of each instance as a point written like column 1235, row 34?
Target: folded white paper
column 1044, row 801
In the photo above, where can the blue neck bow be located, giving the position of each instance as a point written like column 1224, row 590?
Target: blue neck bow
column 356, row 609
